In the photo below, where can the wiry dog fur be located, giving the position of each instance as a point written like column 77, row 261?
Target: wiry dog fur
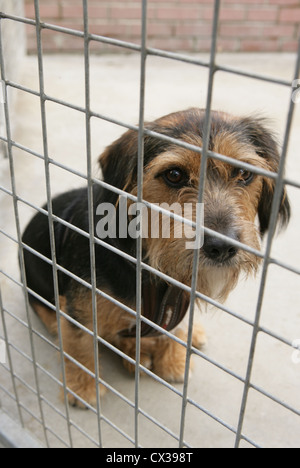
column 237, row 204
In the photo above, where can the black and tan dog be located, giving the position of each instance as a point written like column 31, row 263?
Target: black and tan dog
column 237, row 204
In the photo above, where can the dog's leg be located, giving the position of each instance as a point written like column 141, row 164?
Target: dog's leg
column 163, row 355
column 199, row 336
column 169, row 357
column 128, row 346
column 47, row 316
column 80, row 346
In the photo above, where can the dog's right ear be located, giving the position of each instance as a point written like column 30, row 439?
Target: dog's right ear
column 266, row 146
column 119, row 162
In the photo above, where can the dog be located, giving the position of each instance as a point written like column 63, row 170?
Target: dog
column 237, row 204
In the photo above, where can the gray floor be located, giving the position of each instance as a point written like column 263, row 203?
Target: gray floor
column 171, row 86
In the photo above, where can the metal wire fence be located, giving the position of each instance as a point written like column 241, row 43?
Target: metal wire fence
column 8, row 347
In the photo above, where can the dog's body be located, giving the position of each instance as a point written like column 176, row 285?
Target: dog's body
column 233, row 199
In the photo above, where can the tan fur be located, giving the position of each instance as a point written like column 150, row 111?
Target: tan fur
column 163, row 355
column 243, row 204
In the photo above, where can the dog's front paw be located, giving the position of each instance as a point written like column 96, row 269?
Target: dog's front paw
column 86, row 396
column 145, row 360
column 83, row 387
column 199, row 336
column 170, row 359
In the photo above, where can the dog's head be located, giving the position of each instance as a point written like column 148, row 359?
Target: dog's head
column 237, row 203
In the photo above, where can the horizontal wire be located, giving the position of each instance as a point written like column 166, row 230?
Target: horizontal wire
column 233, row 162
column 149, row 372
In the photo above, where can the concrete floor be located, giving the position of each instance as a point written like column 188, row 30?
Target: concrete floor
column 171, row 86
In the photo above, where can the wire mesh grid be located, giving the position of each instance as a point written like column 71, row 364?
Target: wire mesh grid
column 74, row 423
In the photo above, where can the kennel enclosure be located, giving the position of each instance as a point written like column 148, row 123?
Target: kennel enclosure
column 19, row 390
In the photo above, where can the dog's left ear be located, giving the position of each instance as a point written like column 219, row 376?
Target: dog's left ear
column 118, row 161
column 266, row 147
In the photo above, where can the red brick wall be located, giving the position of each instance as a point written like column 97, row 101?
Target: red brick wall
column 175, row 25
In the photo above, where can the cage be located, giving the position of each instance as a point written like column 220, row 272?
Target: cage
column 245, row 388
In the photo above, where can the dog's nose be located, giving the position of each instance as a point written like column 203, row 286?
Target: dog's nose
column 218, row 249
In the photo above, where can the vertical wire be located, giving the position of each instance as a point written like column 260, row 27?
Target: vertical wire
column 272, row 229
column 204, row 158
column 202, row 180
column 50, row 210
column 10, row 362
column 1, row 301
column 91, row 212
column 140, row 169
column 19, row 237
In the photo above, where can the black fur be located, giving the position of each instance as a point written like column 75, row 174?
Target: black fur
column 257, row 132
column 73, row 252
column 119, row 166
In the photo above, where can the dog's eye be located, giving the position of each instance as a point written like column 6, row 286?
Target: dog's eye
column 242, row 176
column 175, row 177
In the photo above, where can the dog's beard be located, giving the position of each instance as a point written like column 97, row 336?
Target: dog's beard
column 215, row 279
column 218, row 280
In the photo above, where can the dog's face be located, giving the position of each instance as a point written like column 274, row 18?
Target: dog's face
column 237, row 203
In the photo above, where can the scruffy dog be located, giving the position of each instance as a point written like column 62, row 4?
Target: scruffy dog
column 237, row 203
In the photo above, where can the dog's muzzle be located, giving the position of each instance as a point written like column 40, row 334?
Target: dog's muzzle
column 219, row 250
